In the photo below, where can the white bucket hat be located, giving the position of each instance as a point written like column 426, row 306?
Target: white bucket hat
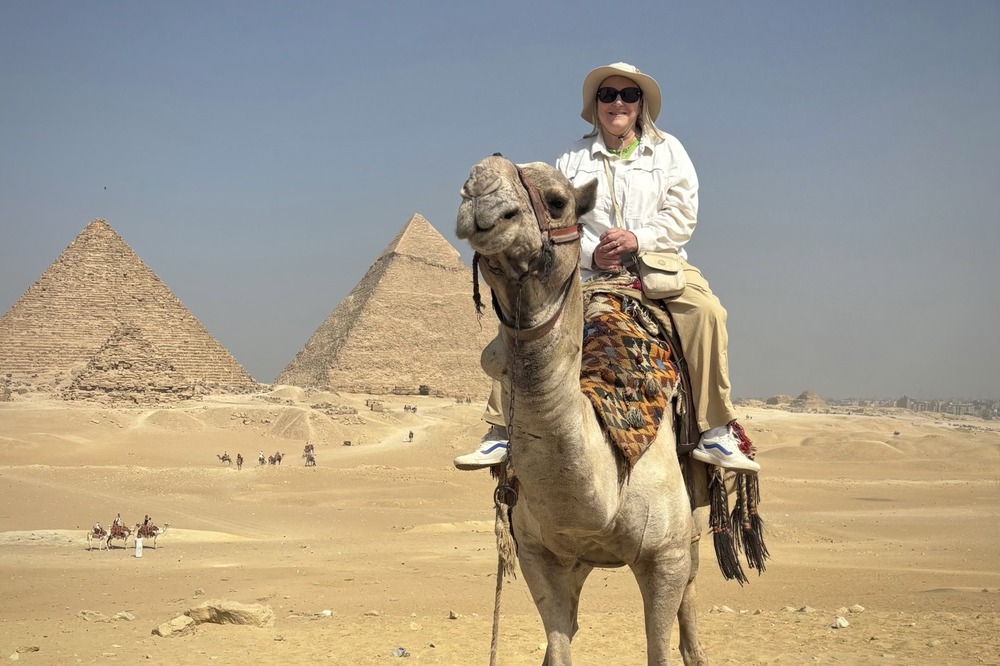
column 650, row 88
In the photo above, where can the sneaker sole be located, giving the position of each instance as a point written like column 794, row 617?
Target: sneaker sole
column 473, row 466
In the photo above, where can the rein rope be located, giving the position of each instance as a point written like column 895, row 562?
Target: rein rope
column 505, row 495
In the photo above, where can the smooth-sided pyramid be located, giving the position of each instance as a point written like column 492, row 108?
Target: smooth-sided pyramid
column 78, row 307
column 409, row 323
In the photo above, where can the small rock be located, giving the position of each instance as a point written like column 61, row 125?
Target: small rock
column 92, row 616
column 840, row 623
column 326, row 612
column 758, row 612
column 934, row 642
column 807, row 609
column 14, row 657
column 415, row 627
column 726, row 609
column 221, row 611
column 452, row 615
column 857, row 608
column 842, row 610
column 400, row 652
column 124, row 615
column 789, row 609
column 176, row 626
column 372, row 613
column 200, row 592
column 29, row 648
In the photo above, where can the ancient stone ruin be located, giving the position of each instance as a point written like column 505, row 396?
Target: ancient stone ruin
column 130, row 369
column 100, row 323
column 408, row 325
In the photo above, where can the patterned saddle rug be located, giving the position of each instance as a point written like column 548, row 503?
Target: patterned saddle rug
column 627, row 372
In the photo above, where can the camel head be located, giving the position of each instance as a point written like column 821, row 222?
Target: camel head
column 522, row 223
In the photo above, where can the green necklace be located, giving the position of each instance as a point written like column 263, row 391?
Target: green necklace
column 625, row 151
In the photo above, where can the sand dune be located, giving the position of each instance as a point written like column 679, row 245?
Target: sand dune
column 399, row 546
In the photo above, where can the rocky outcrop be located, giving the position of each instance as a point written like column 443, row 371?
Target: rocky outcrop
column 221, row 611
column 130, row 369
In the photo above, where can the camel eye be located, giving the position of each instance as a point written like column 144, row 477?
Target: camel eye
column 556, row 204
column 510, row 215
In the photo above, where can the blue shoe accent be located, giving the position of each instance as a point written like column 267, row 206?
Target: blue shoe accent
column 498, row 445
column 724, row 450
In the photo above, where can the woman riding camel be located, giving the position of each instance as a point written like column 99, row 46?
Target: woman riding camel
column 653, row 206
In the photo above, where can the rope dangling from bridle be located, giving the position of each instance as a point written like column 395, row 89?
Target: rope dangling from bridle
column 504, row 498
column 477, row 298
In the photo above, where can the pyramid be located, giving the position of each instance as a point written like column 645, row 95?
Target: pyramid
column 97, row 285
column 128, row 368
column 409, row 323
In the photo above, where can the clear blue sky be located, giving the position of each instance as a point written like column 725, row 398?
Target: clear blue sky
column 258, row 156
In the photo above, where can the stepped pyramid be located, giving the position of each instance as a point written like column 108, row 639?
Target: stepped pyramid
column 408, row 323
column 79, row 306
column 129, row 368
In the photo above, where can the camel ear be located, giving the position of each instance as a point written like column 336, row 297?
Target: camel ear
column 586, row 197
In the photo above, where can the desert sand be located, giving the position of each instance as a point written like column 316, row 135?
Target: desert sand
column 896, row 514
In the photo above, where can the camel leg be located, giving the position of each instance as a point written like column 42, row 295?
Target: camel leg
column 662, row 583
column 687, row 616
column 555, row 587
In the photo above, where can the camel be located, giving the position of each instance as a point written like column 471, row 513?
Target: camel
column 310, row 460
column 226, row 460
column 276, row 458
column 239, row 461
column 150, row 531
column 100, row 536
column 575, row 510
column 119, row 532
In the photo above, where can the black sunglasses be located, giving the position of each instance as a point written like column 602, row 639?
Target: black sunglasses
column 609, row 95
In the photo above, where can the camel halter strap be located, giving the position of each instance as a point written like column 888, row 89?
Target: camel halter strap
column 555, row 236
column 542, row 217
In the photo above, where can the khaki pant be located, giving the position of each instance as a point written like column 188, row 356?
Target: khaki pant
column 493, row 414
column 701, row 325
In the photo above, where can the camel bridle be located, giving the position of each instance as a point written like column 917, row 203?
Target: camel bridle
column 555, row 236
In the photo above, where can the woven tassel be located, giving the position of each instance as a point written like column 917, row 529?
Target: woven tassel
column 506, row 549
column 745, row 523
column 504, row 498
column 755, row 549
column 722, row 537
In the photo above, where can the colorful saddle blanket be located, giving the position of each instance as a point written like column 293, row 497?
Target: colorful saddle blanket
column 627, row 373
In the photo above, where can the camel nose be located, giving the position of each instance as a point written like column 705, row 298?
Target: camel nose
column 482, row 181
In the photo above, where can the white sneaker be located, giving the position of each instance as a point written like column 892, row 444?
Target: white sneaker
column 719, row 446
column 492, row 450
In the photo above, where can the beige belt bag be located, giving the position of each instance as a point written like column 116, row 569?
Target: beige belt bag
column 661, row 274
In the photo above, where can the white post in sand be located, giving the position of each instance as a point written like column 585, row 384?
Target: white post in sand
column 138, row 546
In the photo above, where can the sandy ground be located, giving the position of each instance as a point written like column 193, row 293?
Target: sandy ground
column 399, row 546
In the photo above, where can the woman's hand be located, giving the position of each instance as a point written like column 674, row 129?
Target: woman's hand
column 614, row 243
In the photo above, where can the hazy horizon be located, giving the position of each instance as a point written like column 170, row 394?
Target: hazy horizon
column 258, row 158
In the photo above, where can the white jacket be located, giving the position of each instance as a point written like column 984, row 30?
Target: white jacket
column 657, row 190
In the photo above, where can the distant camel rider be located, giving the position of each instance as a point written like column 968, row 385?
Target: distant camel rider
column 97, row 528
column 117, row 522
